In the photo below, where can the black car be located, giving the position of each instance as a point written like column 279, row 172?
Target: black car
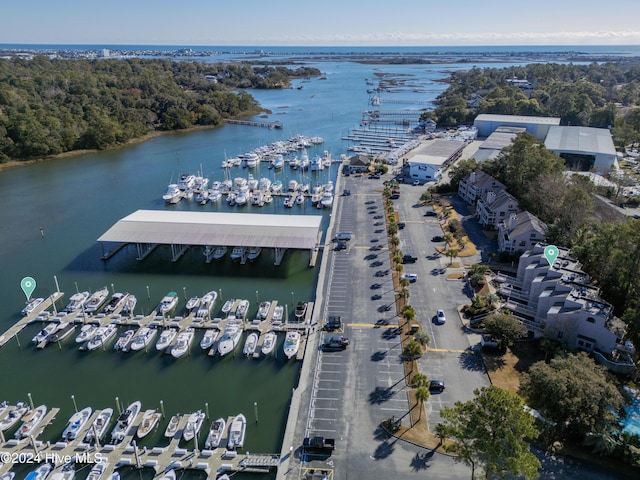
column 437, row 238
column 406, row 258
column 401, row 225
column 335, row 343
column 333, row 323
column 430, row 213
column 436, row 386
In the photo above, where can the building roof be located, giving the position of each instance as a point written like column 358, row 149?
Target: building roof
column 483, row 181
column 501, row 138
column 580, row 139
column 216, row 228
column 359, row 160
column 436, row 152
column 502, row 199
column 525, row 223
column 490, row 117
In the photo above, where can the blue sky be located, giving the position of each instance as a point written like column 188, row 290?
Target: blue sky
column 321, row 22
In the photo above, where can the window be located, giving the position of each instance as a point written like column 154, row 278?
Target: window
column 502, row 214
column 523, row 243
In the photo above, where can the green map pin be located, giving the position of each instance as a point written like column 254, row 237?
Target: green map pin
column 28, row 285
column 551, row 253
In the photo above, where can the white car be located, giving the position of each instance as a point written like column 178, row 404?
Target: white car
column 412, row 277
column 440, row 317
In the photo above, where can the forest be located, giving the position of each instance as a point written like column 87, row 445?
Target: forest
column 52, row 106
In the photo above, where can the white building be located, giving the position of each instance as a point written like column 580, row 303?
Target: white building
column 495, row 207
column 520, row 232
column 432, row 158
column 583, row 148
column 537, row 126
column 476, row 185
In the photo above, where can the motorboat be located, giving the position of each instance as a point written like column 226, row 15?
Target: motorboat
column 300, row 199
column 278, row 161
column 291, row 344
column 130, row 305
column 97, row 471
column 187, row 181
column 64, row 330
column 216, row 431
column 143, row 339
column 202, row 197
column 168, row 303
column 210, row 336
column 326, row 159
column 327, row 200
column 269, row 343
column 316, row 194
column 241, row 309
column 301, row 309
column 76, row 423
column 265, row 184
column 14, row 416
column 42, row 335
column 173, row 194
column 102, row 336
column 172, row 427
column 168, row 475
column 150, row 419
column 316, row 164
column 125, row 422
column 276, row 187
column 236, row 432
column 230, row 338
column 96, row 300
column 328, row 187
column 237, row 253
column 278, row 312
column 263, row 309
column 192, row 303
column 214, row 195
column 99, row 426
column 293, row 186
column 294, row 163
column 219, row 252
column 116, row 303
column 30, row 421
column 87, row 332
column 194, row 423
column 228, row 305
column 242, row 197
column 31, row 305
column 40, row 473
column 7, row 476
column 253, row 253
column 67, row 472
column 114, row 476
column 250, row 344
column 257, row 198
column 76, row 301
column 252, row 183
column 206, row 305
column 183, row 343
column 124, row 341
column 166, row 338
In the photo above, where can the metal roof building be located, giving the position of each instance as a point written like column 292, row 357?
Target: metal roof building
column 538, row 126
column 583, row 148
column 431, row 158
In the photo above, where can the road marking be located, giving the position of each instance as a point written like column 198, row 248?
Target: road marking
column 445, row 350
column 369, row 325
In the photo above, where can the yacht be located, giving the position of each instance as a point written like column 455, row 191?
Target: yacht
column 253, row 253
column 276, row 187
column 97, row 471
column 301, row 310
column 316, row 164
column 124, row 341
column 14, row 416
column 166, row 337
column 40, row 473
column 236, row 432
column 228, row 305
column 172, row 427
column 291, row 344
column 316, row 194
column 130, row 305
column 300, row 199
column 116, row 303
column 99, row 425
column 263, row 309
column 102, row 336
column 206, row 305
column 250, row 344
column 96, row 300
column 31, row 305
column 278, row 161
column 64, row 330
column 230, row 338
column 183, row 343
column 327, row 200
column 265, row 184
column 187, row 181
column 150, row 419
column 168, row 303
column 76, row 423
column 252, row 183
column 215, row 434
column 192, row 303
column 214, row 195
column 278, row 312
column 173, row 194
column 30, row 421
column 76, row 301
column 242, row 197
column 49, row 329
column 304, row 160
column 326, row 159
column 219, row 252
column 210, row 336
column 293, row 186
column 251, row 160
column 270, row 339
column 67, row 472
column 143, row 339
column 294, row 163
column 328, row 187
column 237, row 253
column 87, row 332
column 125, row 421
column 241, row 309
column 202, row 197
column 257, row 198
column 194, row 423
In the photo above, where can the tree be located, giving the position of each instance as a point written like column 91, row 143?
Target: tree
column 422, row 338
column 490, row 431
column 447, row 238
column 412, row 350
column 404, row 282
column 408, row 312
column 452, row 253
column 460, row 170
column 422, row 395
column 505, row 327
column 574, row 394
column 419, row 380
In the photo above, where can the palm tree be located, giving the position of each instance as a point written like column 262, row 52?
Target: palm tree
column 392, row 228
column 408, row 313
column 447, row 238
column 404, row 282
column 422, row 395
column 419, row 380
column 422, row 338
column 453, row 253
column 404, row 293
column 399, row 268
column 395, row 241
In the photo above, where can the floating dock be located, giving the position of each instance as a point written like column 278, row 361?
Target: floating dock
column 254, row 123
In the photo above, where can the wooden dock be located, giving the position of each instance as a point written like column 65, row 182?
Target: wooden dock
column 254, row 123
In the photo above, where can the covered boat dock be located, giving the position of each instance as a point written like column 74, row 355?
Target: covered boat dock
column 183, row 229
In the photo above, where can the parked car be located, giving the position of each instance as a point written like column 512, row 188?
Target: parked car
column 436, row 386
column 401, row 225
column 335, row 343
column 440, row 317
column 334, row 322
column 407, row 258
column 412, row 277
column 437, row 238
column 430, row 213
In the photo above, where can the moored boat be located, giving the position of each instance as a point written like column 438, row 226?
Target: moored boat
column 269, row 342
column 49, row 329
column 277, row 313
column 206, row 305
column 172, row 427
column 125, row 422
column 230, row 338
column 250, row 344
column 237, row 432
column 76, row 301
column 301, row 310
column 192, row 303
column 143, row 339
column 124, row 341
column 31, row 305
column 129, row 305
column 103, row 335
column 67, row 472
column 96, row 300
column 228, row 305
column 173, row 194
column 166, row 337
column 291, row 344
column 216, row 431
column 75, row 424
column 30, row 421
column 168, row 303
column 168, row 475
column 241, row 309
column 253, row 253
column 219, row 252
column 194, row 423
column 14, row 416
column 40, row 473
column 87, row 332
column 238, row 252
column 210, row 336
column 263, row 309
column 183, row 343
column 116, row 303
column 64, row 330
column 150, row 419
column 97, row 471
column 99, row 426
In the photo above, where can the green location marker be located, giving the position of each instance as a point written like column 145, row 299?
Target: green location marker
column 28, row 285
column 551, row 253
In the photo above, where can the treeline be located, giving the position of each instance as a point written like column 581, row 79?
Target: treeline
column 595, row 95
column 49, row 106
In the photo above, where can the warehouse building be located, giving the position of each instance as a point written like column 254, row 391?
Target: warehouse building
column 537, row 126
column 583, row 148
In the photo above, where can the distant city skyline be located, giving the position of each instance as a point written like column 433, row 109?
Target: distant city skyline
column 326, row 23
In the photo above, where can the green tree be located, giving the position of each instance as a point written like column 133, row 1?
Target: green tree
column 422, row 395
column 408, row 312
column 419, row 380
column 452, row 253
column 490, row 431
column 412, row 350
column 505, row 327
column 460, row 170
column 422, row 338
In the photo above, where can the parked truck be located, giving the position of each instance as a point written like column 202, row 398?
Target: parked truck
column 319, row 444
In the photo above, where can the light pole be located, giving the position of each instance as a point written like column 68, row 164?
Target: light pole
column 75, row 405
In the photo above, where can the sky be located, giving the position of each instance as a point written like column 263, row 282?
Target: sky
column 321, row 22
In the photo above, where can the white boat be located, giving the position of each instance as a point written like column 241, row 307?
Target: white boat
column 99, row 425
column 130, row 305
column 265, row 184
column 316, row 164
column 31, row 305
column 214, row 195
column 194, row 423
column 183, row 343
column 215, row 434
column 14, row 416
column 237, row 431
column 269, row 343
column 87, row 332
column 202, row 197
column 76, row 301
column 166, row 337
column 230, row 338
column 210, row 336
column 293, row 186
column 172, row 427
column 253, row 253
column 150, row 419
column 328, row 187
column 75, row 424
column 301, row 310
column 327, row 200
column 252, row 183
column 114, row 476
column 291, row 344
column 242, row 197
column 326, row 159
column 228, row 305
column 97, row 471
column 40, row 473
column 276, row 187
column 219, row 252
column 30, row 421
column 241, row 309
column 117, row 302
column 63, row 331
column 263, row 309
column 192, row 303
column 67, row 472
column 300, row 199
column 278, row 312
column 187, row 181
column 96, row 300
column 257, row 198
column 125, row 422
column 173, row 194
column 143, row 339
column 168, row 475
column 102, row 336
column 168, row 303
column 278, row 161
column 206, row 305
column 124, row 340
column 7, row 476
column 294, row 163
column 316, row 195
column 250, row 344
column 49, row 329
column 237, row 253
